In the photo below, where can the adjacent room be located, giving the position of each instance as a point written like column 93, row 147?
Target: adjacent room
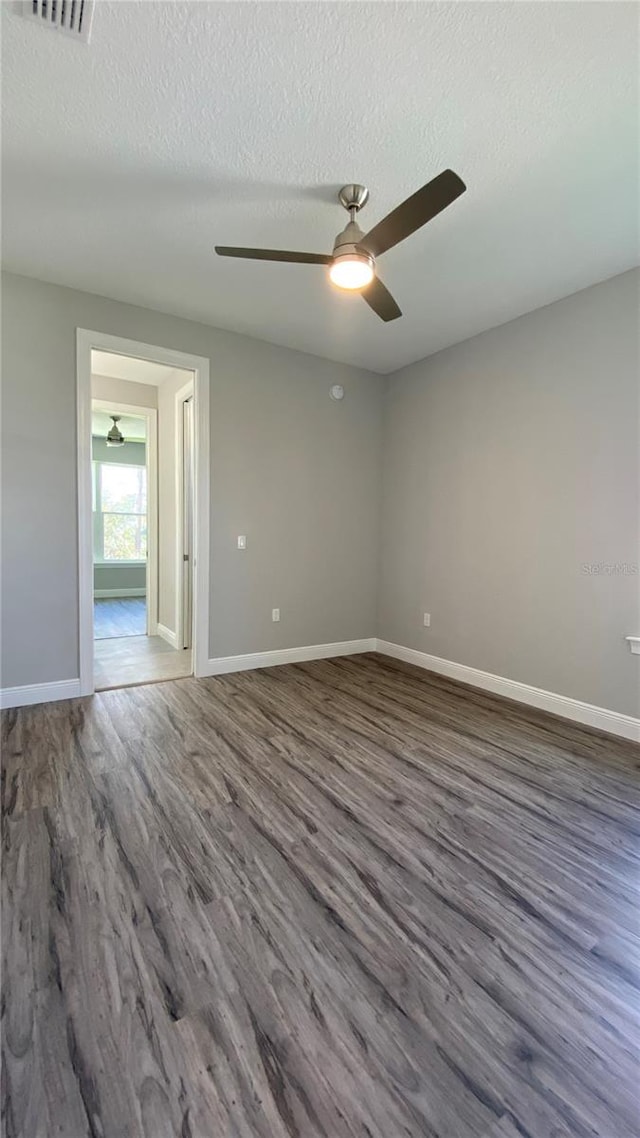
column 320, row 589
column 120, row 522
column 142, row 469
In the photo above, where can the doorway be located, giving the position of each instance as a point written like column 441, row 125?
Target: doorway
column 143, row 510
column 124, row 516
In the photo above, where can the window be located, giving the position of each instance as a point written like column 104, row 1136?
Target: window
column 119, row 512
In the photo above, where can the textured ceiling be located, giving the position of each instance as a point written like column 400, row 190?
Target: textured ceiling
column 185, row 125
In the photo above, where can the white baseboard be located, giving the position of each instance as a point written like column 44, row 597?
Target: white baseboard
column 612, row 721
column 39, row 693
column 222, row 664
column 167, row 634
column 142, row 592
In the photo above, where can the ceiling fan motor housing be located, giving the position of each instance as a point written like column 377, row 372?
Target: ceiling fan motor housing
column 347, row 244
column 349, row 239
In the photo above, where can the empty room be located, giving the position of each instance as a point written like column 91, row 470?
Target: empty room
column 320, row 625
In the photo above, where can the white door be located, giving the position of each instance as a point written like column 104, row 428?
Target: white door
column 187, row 521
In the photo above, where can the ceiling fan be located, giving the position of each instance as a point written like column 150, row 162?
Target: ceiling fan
column 353, row 261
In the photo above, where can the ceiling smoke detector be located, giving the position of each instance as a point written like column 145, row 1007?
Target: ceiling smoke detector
column 70, row 16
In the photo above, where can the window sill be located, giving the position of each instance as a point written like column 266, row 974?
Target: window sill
column 116, row 564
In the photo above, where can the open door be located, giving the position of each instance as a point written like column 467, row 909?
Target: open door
column 187, row 521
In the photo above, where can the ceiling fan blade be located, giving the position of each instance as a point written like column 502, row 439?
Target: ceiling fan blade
column 380, row 300
column 274, row 255
column 413, row 213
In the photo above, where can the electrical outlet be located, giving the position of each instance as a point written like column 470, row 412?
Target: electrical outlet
column 275, row 615
column 426, row 619
column 242, row 541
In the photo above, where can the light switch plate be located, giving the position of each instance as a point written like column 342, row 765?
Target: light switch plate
column 242, row 541
column 275, row 615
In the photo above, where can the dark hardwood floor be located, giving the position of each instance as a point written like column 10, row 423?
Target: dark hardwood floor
column 343, row 899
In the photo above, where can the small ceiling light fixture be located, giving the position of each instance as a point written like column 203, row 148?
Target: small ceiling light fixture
column 115, row 438
column 351, row 270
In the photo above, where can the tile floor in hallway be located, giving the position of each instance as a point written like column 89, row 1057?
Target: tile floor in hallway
column 123, row 661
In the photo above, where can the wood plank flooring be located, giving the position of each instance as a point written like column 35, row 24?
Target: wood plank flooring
column 342, row 899
column 122, row 661
column 119, row 616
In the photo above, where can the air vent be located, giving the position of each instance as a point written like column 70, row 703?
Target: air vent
column 71, row 16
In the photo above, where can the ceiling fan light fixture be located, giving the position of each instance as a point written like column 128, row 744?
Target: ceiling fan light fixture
column 115, row 438
column 352, row 271
column 352, row 265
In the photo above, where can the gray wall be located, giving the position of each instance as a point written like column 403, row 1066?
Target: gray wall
column 510, row 464
column 120, row 577
column 130, row 453
column 296, row 472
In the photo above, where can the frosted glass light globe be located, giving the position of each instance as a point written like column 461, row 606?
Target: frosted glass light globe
column 351, row 271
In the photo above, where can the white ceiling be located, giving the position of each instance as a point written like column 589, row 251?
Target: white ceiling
column 183, row 125
column 133, row 428
column 134, row 370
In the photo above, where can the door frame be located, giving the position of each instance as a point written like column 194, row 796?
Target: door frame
column 86, row 340
column 185, row 391
column 150, row 415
